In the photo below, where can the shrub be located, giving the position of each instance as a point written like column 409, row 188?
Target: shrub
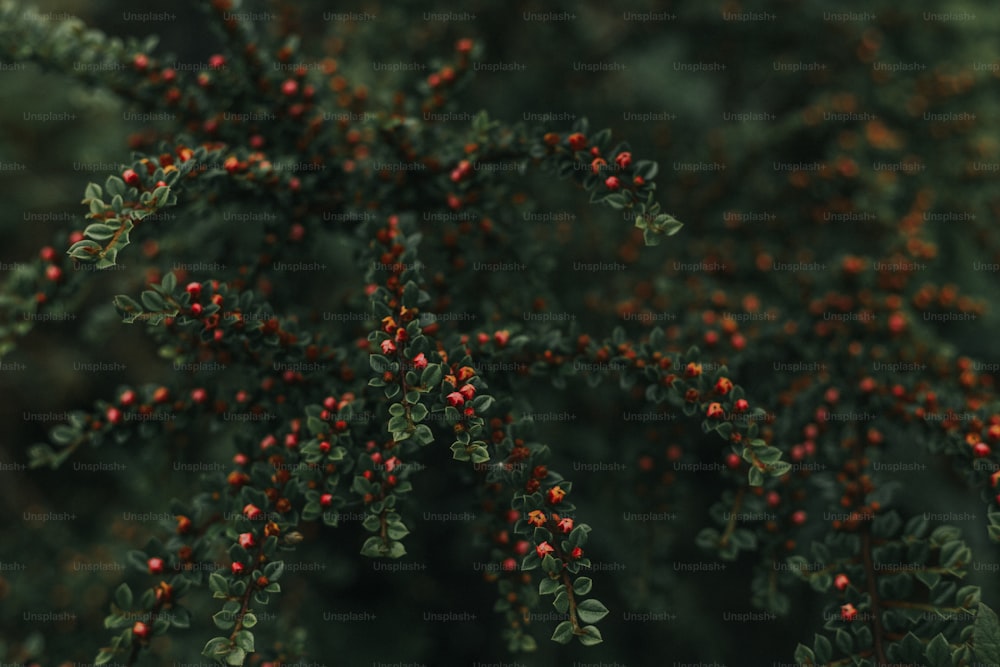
column 363, row 330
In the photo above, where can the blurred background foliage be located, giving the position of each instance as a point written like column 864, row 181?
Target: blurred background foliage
column 53, row 580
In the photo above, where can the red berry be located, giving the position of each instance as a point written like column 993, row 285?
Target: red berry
column 577, row 141
column 612, row 183
column 48, row 254
column 773, row 499
column 140, row 61
column 623, row 160
column 848, row 612
column 140, row 630
column 840, row 582
column 742, row 405
column 324, row 447
column 252, row 512
column 464, row 45
column 53, row 273
column 127, row 398
column 326, row 499
column 194, row 289
column 183, row 524
column 237, row 568
column 196, row 309
column 199, row 395
column 521, row 548
column 509, row 565
column 155, row 565
column 715, row 411
column 638, row 180
column 131, row 178
column 161, row 395
column 799, row 517
column 114, row 415
column 217, row 61
column 981, row 449
column 733, row 460
column 290, row 87
column 262, row 581
column 246, row 540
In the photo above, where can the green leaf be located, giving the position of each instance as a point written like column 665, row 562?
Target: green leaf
column 779, row 468
column 236, row 657
column 223, row 620
column 986, row 635
column 423, row 435
column 379, row 363
column 561, row 602
column 84, row 251
column 582, row 585
column 431, row 375
column 591, row 611
column 823, row 647
column 548, row 586
column 218, row 584
column 244, row 639
column 274, row 570
column 123, row 597
column 418, row 412
column 755, row 476
column 938, row 652
column 115, row 186
column 590, row 635
column 844, row 642
column 804, row 655
column 647, row 169
column 563, row 633
column 100, row 231
column 216, row 647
